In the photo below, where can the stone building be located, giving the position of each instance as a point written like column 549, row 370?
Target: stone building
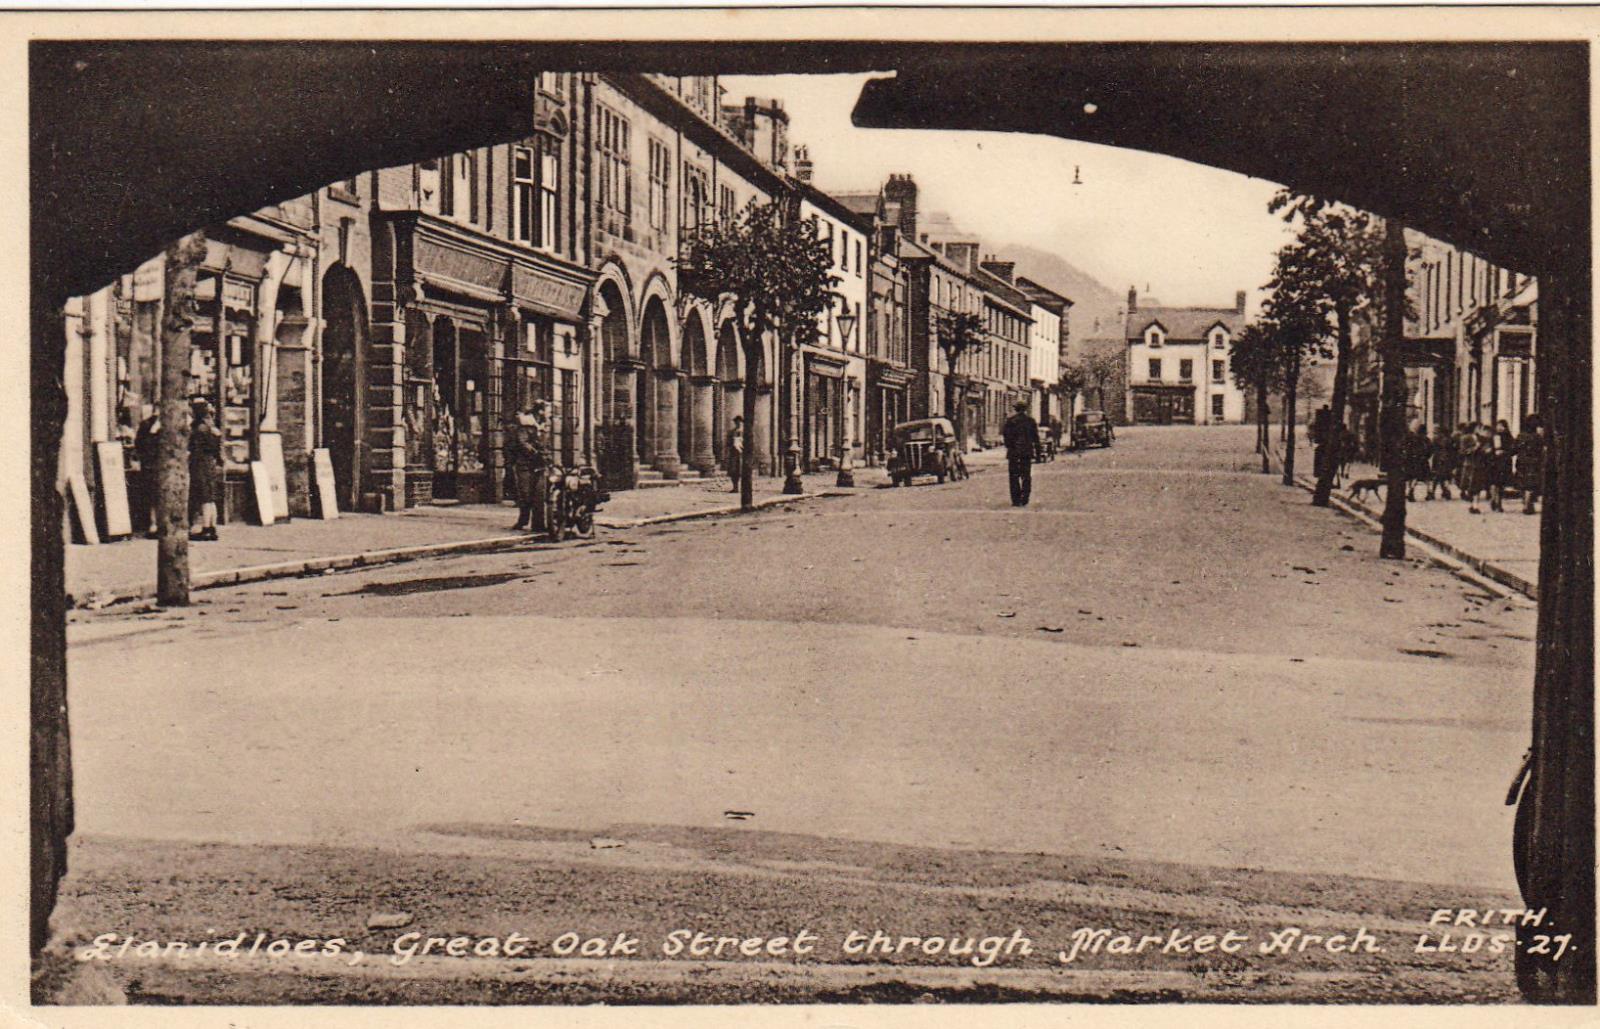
column 1177, row 363
column 673, row 370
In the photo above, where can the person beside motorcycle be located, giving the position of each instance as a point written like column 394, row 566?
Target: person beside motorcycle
column 526, row 454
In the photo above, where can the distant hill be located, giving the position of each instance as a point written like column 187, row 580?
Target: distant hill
column 1098, row 311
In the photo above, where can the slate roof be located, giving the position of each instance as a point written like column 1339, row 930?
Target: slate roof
column 1184, row 323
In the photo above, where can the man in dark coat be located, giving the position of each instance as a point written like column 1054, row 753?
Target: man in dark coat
column 1022, row 443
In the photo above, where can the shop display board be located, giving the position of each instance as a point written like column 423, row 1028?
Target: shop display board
column 82, row 510
column 327, row 492
column 278, row 479
column 113, row 489
column 261, row 487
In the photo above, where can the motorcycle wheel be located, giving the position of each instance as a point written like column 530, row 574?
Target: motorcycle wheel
column 584, row 519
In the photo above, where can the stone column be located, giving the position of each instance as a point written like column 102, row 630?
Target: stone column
column 643, row 398
column 666, row 428
column 765, row 459
column 704, row 457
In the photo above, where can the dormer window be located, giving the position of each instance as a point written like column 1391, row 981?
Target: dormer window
column 1153, row 336
column 1219, row 340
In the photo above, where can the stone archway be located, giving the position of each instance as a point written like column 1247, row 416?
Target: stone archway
column 657, row 402
column 344, row 347
column 696, row 414
column 615, row 441
column 728, row 397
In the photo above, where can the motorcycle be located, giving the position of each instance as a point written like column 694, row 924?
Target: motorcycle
column 571, row 497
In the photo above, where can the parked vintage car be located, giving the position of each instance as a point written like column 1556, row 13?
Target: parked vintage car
column 924, row 447
column 1092, row 429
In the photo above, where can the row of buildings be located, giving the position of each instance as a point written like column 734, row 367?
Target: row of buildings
column 396, row 318
column 1471, row 343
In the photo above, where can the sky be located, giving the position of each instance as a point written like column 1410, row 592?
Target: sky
column 1192, row 234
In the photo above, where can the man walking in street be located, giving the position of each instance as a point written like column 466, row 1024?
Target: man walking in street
column 1022, row 443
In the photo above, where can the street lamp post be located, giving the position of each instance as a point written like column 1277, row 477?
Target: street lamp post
column 847, row 325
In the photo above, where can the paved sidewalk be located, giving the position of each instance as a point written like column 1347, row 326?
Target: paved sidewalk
column 1501, row 545
column 125, row 570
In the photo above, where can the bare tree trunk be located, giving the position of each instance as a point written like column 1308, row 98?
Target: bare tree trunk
column 1290, row 394
column 754, row 361
column 1554, row 844
column 172, row 555
column 50, row 743
column 1263, row 434
column 1392, row 409
column 1330, row 444
column 953, row 408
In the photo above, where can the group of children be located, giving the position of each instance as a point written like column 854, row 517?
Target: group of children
column 1478, row 461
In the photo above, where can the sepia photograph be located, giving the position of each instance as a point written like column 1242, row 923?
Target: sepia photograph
column 774, row 510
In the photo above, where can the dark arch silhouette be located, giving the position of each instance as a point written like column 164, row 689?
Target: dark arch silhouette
column 1482, row 145
column 344, row 365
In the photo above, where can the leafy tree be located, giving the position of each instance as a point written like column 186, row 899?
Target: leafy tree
column 773, row 267
column 1100, row 369
column 1254, row 358
column 1298, row 329
column 959, row 333
column 1334, row 263
column 1069, row 383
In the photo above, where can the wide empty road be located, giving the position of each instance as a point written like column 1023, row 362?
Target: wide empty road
column 1168, row 657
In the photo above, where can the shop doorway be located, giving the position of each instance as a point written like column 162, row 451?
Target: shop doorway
column 344, row 344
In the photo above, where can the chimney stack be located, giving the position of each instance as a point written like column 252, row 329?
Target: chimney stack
column 1133, row 299
column 1238, row 301
column 802, row 164
column 902, row 190
column 1000, row 269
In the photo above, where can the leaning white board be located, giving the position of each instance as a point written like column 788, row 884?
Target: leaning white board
column 327, row 497
column 82, row 509
column 261, row 483
column 113, row 489
column 278, row 479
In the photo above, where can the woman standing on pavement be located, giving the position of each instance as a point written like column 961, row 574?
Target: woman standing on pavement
column 1441, row 462
column 1502, row 451
column 1471, row 466
column 205, row 470
column 1530, row 462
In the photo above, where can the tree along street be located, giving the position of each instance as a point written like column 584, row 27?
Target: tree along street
column 1167, row 658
